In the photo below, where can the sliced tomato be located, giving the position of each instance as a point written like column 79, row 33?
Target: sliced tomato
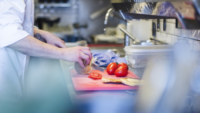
column 95, row 74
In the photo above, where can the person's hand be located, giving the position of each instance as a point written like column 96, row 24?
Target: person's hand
column 77, row 54
column 51, row 38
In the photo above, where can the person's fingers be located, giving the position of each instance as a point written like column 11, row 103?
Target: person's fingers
column 63, row 41
column 81, row 63
column 61, row 45
column 87, row 52
column 85, row 57
column 85, row 48
column 51, row 44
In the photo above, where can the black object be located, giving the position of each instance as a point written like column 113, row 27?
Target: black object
column 51, row 22
column 164, row 25
column 130, row 16
column 49, row 1
column 154, row 29
column 39, row 37
column 158, row 24
column 187, row 23
column 178, row 25
column 40, row 20
column 64, row 1
column 57, row 1
column 78, row 26
column 72, row 38
column 41, row 1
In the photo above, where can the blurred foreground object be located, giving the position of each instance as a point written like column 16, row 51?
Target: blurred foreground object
column 166, row 83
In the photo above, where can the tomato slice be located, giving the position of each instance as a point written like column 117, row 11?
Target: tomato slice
column 95, row 75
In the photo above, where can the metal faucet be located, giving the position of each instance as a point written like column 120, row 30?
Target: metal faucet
column 109, row 12
column 128, row 36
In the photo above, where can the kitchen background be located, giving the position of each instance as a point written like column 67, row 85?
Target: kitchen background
column 73, row 20
column 84, row 19
column 172, row 34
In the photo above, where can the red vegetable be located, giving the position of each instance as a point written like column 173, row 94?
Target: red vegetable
column 121, row 71
column 95, row 74
column 111, row 68
column 123, row 64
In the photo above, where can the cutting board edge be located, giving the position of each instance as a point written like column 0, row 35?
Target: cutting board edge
column 105, row 89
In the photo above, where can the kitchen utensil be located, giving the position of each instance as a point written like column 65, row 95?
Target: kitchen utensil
column 83, row 83
column 95, row 67
column 130, row 35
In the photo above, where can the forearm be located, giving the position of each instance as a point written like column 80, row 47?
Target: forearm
column 49, row 38
column 33, row 47
column 36, row 30
column 41, row 32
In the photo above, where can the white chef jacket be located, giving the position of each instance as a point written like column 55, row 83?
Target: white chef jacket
column 16, row 23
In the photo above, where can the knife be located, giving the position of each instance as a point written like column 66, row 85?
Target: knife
column 95, row 67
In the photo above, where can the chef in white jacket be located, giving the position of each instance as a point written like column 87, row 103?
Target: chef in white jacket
column 17, row 41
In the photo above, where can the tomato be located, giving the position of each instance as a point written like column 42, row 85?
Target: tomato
column 123, row 64
column 111, row 68
column 95, row 74
column 121, row 71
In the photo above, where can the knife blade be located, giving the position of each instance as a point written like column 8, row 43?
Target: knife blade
column 95, row 67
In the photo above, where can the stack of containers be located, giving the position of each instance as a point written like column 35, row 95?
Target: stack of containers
column 138, row 55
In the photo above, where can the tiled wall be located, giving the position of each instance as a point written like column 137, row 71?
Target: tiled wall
column 172, row 34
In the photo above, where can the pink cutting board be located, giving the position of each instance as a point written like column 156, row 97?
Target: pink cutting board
column 83, row 83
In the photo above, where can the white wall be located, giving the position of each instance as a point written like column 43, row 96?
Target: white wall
column 171, row 34
column 140, row 29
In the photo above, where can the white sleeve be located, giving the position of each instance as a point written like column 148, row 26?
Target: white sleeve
column 36, row 27
column 11, row 19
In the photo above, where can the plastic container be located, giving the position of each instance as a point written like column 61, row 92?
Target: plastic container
column 138, row 55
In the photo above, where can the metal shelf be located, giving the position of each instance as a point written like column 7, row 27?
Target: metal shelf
column 41, row 5
column 138, row 1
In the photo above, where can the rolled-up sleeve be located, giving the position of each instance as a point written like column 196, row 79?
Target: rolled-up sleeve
column 11, row 19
